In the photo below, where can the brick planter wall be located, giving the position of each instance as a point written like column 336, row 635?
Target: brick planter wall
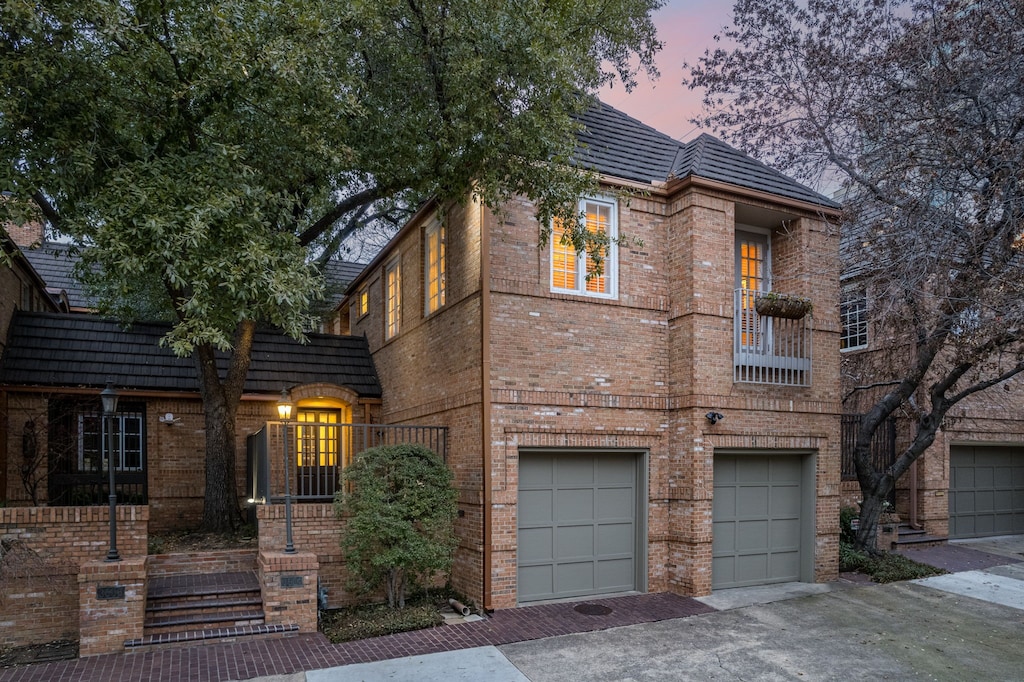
column 288, row 583
column 112, row 604
column 40, row 574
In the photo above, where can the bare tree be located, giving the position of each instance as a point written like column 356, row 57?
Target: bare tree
column 917, row 107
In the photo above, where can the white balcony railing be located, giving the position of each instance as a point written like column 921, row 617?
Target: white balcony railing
column 769, row 350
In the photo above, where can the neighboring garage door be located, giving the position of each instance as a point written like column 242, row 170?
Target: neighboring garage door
column 577, row 524
column 986, row 494
column 756, row 517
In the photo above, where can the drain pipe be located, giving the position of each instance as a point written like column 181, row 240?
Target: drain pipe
column 913, row 496
column 458, row 607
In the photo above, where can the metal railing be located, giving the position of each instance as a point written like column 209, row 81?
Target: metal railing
column 318, row 453
column 883, row 445
column 769, row 350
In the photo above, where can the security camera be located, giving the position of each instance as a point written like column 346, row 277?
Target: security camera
column 713, row 417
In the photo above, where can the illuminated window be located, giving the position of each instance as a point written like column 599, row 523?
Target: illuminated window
column 434, row 266
column 576, row 272
column 317, row 438
column 853, row 314
column 752, row 278
column 361, row 304
column 392, row 298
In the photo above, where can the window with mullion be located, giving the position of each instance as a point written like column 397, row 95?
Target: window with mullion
column 577, row 272
column 853, row 312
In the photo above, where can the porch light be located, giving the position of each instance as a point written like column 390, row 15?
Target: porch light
column 284, row 406
column 109, row 399
column 284, row 411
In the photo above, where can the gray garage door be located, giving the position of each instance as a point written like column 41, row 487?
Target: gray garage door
column 577, row 524
column 756, row 519
column 986, row 494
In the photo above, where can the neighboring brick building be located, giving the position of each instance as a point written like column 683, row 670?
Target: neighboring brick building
column 54, row 366
column 970, row 482
column 644, row 430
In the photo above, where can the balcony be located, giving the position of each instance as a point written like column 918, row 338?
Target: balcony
column 769, row 350
column 317, row 453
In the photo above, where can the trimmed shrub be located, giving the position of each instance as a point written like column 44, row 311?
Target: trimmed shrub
column 400, row 519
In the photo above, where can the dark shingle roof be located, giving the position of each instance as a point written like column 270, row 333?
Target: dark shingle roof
column 338, row 273
column 616, row 144
column 80, row 350
column 55, row 263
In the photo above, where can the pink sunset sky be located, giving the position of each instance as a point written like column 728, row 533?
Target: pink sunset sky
column 686, row 28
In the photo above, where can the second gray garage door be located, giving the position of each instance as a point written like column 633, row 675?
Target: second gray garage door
column 578, row 525
column 756, row 516
column 986, row 495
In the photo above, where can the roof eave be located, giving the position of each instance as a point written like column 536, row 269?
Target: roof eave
column 677, row 184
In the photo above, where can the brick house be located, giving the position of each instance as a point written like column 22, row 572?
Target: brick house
column 970, row 482
column 644, row 430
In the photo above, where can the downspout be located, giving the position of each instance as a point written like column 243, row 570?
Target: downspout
column 485, row 396
column 913, row 496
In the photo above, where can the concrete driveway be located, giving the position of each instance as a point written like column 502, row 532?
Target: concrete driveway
column 963, row 626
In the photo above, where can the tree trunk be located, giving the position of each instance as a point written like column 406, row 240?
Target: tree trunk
column 221, row 512
column 870, row 513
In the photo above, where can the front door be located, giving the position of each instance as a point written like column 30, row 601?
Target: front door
column 318, row 451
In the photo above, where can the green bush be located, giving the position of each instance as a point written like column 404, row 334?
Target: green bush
column 400, row 519
column 846, row 532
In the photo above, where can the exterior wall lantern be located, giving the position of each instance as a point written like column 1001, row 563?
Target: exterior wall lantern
column 284, row 411
column 109, row 398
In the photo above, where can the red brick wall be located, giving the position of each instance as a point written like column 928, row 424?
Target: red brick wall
column 431, row 371
column 40, row 577
column 636, row 372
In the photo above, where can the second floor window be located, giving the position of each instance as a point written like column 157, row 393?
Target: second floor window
column 434, row 267
column 392, row 298
column 576, row 272
column 853, row 315
column 362, row 303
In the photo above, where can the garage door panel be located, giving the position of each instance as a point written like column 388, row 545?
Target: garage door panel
column 984, row 477
column 575, row 578
column 785, row 500
column 587, row 505
column 615, row 538
column 752, row 501
column 752, row 536
column 574, row 505
column 574, row 542
column 752, row 469
column 570, row 471
column 751, row 568
column 615, row 503
column 615, row 472
column 757, row 523
column 785, row 533
column 536, row 472
column 616, row 573
column 536, row 544
column 535, row 507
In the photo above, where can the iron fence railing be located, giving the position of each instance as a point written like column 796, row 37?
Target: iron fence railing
column 769, row 350
column 883, row 445
column 318, row 452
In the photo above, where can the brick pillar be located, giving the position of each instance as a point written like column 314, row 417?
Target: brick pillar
column 112, row 604
column 288, row 583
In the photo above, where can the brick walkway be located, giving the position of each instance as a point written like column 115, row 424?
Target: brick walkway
column 245, row 660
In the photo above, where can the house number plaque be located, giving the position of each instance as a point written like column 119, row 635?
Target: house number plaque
column 110, row 592
column 291, row 581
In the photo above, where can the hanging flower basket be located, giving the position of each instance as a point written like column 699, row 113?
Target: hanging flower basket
column 786, row 306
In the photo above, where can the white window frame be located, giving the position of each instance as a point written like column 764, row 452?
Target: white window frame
column 611, row 261
column 434, row 300
column 393, row 298
column 853, row 321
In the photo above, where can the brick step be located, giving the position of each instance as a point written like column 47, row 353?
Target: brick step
column 191, row 604
column 220, row 618
column 192, row 637
column 915, row 537
column 200, row 585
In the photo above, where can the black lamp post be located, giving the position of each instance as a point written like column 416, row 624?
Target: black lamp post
column 109, row 397
column 284, row 411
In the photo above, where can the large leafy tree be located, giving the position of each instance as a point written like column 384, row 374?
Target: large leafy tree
column 205, row 151
column 917, row 109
